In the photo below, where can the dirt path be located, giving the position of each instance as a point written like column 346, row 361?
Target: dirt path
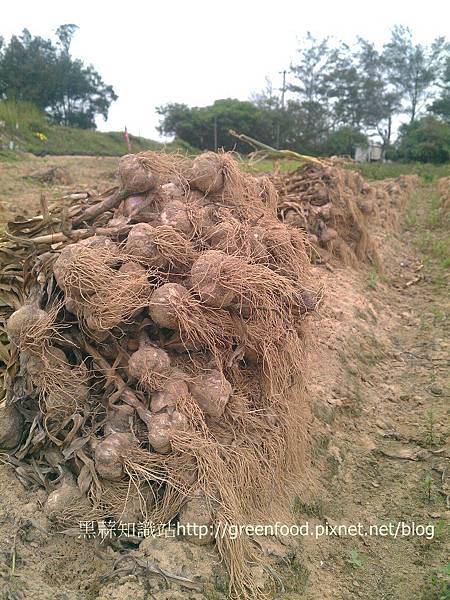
column 380, row 398
column 385, row 422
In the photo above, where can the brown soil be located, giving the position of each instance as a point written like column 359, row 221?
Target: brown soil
column 23, row 181
column 380, row 401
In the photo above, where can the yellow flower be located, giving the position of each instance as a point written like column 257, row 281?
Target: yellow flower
column 41, row 136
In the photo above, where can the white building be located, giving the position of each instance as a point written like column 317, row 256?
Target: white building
column 370, row 153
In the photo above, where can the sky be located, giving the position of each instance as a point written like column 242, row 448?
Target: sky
column 197, row 51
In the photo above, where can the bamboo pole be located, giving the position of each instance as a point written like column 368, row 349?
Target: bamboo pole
column 269, row 152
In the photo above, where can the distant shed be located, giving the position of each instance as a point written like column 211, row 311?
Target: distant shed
column 371, row 153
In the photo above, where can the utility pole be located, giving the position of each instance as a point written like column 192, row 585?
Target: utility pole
column 215, row 134
column 283, row 92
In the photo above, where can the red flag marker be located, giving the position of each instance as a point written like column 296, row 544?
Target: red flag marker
column 126, row 137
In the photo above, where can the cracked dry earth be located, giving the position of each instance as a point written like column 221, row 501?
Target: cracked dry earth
column 380, row 455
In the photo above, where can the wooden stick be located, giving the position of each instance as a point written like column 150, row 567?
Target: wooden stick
column 75, row 235
column 101, row 207
column 273, row 152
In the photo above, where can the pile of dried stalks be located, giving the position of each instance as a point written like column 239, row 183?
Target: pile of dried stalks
column 332, row 205
column 391, row 196
column 157, row 344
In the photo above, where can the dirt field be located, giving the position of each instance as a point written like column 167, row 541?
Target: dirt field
column 380, row 453
column 23, row 181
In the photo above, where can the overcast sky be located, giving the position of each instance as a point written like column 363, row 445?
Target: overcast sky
column 198, row 51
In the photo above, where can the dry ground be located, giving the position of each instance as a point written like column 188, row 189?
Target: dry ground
column 20, row 185
column 380, row 452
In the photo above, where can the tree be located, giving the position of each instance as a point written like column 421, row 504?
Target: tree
column 65, row 33
column 359, row 88
column 310, row 87
column 207, row 127
column 441, row 106
column 337, row 96
column 344, row 86
column 180, row 121
column 36, row 70
column 27, row 69
column 413, row 69
column 81, row 95
column 425, row 140
column 274, row 108
column 380, row 101
column 344, row 141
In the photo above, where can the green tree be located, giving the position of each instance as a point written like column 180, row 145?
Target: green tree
column 380, row 101
column 36, row 70
column 274, row 108
column 65, row 33
column 208, row 126
column 414, row 69
column 337, row 96
column 341, row 87
column 359, row 88
column 27, row 69
column 344, row 141
column 344, row 86
column 309, row 87
column 424, row 140
column 441, row 106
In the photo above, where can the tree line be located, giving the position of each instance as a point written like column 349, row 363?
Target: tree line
column 43, row 72
column 337, row 96
column 334, row 97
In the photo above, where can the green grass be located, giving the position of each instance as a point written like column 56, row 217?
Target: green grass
column 437, row 584
column 434, row 250
column 8, row 156
column 429, row 223
column 68, row 141
column 427, row 172
column 21, row 116
column 374, row 171
column 65, row 140
column 30, row 131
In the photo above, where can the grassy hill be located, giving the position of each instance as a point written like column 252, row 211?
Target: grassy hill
column 24, row 125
